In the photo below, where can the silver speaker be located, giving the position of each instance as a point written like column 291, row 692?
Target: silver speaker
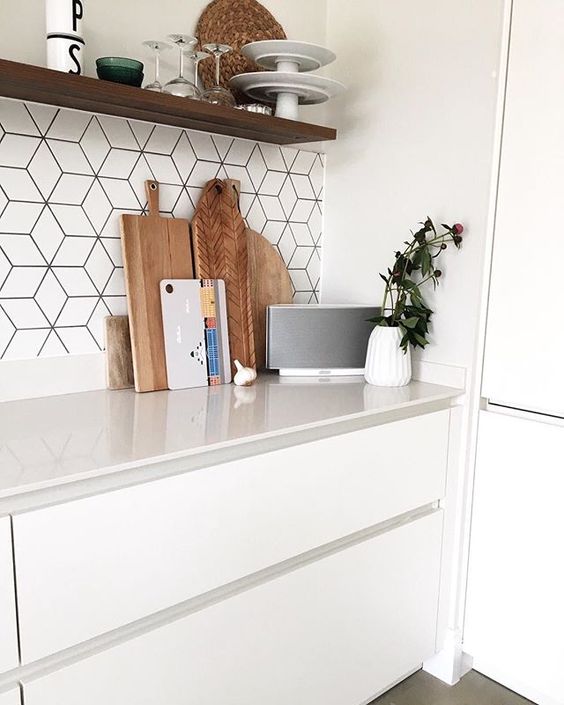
column 318, row 340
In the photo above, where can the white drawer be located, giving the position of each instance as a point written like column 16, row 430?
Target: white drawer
column 336, row 632
column 8, row 628
column 10, row 697
column 108, row 560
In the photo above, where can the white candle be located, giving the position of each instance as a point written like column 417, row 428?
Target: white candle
column 65, row 44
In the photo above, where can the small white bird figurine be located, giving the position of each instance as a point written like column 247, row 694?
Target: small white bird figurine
column 244, row 376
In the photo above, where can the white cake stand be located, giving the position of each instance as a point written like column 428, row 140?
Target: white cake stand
column 287, row 89
column 287, row 55
column 286, row 83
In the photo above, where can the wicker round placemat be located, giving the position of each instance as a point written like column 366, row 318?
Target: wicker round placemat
column 236, row 23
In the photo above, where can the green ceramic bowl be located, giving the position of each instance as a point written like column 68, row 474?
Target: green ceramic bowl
column 120, row 70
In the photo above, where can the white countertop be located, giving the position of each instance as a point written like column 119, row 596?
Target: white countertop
column 53, row 441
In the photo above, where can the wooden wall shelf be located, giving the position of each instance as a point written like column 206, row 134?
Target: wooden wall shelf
column 40, row 85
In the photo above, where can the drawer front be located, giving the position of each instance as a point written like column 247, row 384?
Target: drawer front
column 8, row 628
column 336, row 632
column 108, row 560
column 11, row 697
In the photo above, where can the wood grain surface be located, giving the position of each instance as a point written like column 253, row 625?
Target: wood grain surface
column 41, row 85
column 219, row 243
column 270, row 284
column 154, row 248
column 269, row 279
column 119, row 361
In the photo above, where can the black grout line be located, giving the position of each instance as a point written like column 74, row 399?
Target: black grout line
column 7, row 314
column 141, row 146
column 256, row 164
column 99, row 120
column 94, row 122
column 60, row 340
column 48, row 196
column 8, row 343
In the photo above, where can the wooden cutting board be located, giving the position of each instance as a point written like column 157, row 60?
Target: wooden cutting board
column 154, row 249
column 219, row 244
column 270, row 284
column 119, row 363
column 269, row 280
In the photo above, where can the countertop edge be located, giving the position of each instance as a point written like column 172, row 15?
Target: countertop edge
column 103, row 479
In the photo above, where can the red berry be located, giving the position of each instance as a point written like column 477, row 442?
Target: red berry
column 458, row 229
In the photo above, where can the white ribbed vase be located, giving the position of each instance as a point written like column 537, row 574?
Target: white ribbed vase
column 386, row 363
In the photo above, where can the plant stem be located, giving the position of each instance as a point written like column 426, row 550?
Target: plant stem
column 385, row 297
column 412, row 248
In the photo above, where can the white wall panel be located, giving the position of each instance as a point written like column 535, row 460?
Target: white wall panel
column 416, row 135
column 516, row 582
column 525, row 335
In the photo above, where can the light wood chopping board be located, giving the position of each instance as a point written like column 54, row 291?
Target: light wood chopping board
column 269, row 278
column 219, row 244
column 154, row 248
column 270, row 285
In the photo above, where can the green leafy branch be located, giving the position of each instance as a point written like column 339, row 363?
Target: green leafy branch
column 403, row 305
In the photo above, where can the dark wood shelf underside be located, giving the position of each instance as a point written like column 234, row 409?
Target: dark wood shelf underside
column 39, row 85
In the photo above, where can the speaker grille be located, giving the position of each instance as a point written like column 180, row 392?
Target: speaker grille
column 318, row 337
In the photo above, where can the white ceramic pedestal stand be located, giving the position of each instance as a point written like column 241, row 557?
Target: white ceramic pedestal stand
column 287, row 103
column 287, row 82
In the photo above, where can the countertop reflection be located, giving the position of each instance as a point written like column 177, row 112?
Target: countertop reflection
column 52, row 440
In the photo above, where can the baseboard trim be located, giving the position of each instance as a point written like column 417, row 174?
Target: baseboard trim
column 437, row 373
column 51, row 376
column 450, row 664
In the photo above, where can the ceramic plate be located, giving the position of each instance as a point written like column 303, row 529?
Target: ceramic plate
column 265, row 86
column 269, row 52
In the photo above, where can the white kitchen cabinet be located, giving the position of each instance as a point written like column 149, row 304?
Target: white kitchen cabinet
column 334, row 632
column 515, row 608
column 11, row 697
column 525, row 336
column 8, row 627
column 107, row 560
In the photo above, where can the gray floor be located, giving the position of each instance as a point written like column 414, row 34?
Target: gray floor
column 473, row 689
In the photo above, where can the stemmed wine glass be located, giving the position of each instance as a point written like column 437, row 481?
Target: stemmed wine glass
column 217, row 94
column 157, row 47
column 196, row 57
column 181, row 86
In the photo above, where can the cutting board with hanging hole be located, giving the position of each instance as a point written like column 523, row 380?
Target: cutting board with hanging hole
column 270, row 285
column 154, row 248
column 269, row 280
column 219, row 244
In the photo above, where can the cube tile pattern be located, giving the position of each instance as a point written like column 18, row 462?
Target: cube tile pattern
column 66, row 176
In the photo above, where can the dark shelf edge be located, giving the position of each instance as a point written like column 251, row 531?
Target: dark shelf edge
column 40, row 85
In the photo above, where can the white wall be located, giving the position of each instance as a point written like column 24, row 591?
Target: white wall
column 415, row 128
column 416, row 139
column 117, row 27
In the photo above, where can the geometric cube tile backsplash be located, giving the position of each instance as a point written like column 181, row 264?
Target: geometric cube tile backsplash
column 66, row 176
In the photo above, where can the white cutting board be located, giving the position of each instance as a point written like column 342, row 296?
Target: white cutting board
column 195, row 332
